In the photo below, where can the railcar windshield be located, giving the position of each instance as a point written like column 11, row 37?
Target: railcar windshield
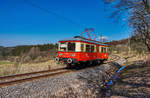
column 67, row 46
column 63, row 46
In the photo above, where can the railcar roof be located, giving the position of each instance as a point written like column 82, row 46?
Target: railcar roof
column 84, row 40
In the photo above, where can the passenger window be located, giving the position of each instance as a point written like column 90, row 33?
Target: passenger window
column 95, row 49
column 71, row 46
column 106, row 50
column 92, row 48
column 82, row 47
column 102, row 49
column 88, row 48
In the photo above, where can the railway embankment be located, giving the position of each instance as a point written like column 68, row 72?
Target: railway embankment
column 134, row 82
column 87, row 82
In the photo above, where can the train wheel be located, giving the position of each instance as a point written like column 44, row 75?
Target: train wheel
column 95, row 62
column 69, row 66
column 98, row 62
column 89, row 63
column 102, row 61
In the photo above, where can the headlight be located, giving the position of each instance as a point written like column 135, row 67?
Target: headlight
column 57, row 59
column 73, row 55
column 60, row 54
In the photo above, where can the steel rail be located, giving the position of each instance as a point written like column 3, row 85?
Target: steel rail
column 7, row 83
column 32, row 78
column 32, row 73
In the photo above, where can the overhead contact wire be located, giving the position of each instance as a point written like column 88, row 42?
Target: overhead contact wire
column 53, row 13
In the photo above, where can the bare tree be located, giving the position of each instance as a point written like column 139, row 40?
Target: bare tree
column 138, row 15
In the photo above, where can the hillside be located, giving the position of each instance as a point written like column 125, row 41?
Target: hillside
column 7, row 53
column 134, row 80
column 1, row 49
column 118, row 42
column 27, row 58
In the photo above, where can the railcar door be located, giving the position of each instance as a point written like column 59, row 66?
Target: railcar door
column 91, row 52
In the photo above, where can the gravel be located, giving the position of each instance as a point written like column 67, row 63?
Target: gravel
column 84, row 83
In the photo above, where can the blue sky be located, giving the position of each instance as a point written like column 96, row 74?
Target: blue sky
column 23, row 24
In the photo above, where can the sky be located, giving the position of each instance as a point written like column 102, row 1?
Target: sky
column 22, row 23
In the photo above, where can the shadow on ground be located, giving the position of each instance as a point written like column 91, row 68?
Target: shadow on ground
column 134, row 82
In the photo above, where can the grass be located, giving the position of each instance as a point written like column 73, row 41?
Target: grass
column 5, row 67
column 9, row 68
column 5, row 62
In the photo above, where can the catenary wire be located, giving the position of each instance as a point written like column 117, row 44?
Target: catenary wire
column 54, row 13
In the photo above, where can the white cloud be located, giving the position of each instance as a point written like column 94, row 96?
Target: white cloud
column 104, row 37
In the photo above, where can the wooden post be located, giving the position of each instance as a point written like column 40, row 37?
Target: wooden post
column 49, row 67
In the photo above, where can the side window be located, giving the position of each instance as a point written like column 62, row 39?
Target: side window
column 92, row 48
column 102, row 50
column 88, row 48
column 82, row 47
column 109, row 50
column 106, row 49
column 71, row 46
column 95, row 48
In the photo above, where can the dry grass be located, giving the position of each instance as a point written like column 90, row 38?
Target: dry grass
column 5, row 67
column 147, row 59
column 50, row 64
column 133, row 57
column 135, row 79
column 133, row 84
column 9, row 68
column 5, row 62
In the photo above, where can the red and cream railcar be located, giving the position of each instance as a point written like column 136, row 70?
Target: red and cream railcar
column 80, row 50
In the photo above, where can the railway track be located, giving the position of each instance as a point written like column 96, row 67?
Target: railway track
column 113, row 59
column 20, row 78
